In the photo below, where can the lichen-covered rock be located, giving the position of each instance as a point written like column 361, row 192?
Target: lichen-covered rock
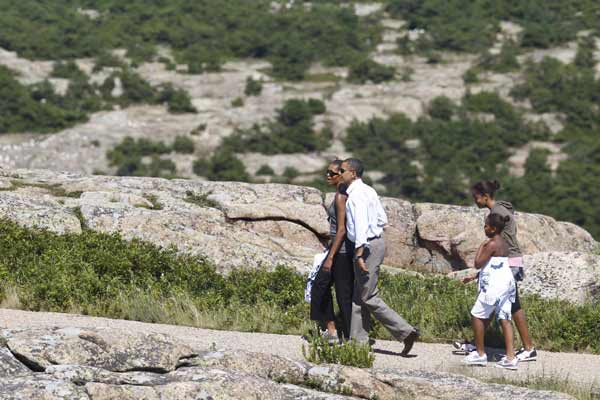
column 10, row 366
column 456, row 232
column 105, row 364
column 112, row 350
column 39, row 387
column 443, row 386
column 570, row 276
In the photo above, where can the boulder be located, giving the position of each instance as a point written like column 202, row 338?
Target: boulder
column 10, row 366
column 112, row 350
column 570, row 276
column 40, row 387
column 241, row 225
column 456, row 232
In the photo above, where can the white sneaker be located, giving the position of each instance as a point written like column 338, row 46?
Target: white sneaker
column 504, row 363
column 475, row 359
column 331, row 339
column 525, row 355
column 463, row 347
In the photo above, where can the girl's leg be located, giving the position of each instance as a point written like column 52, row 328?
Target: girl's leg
column 507, row 331
column 479, row 331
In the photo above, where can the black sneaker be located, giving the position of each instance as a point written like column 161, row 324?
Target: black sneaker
column 526, row 355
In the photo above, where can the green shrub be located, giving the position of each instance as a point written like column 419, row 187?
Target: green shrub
column 128, row 156
column 290, row 173
column 253, row 87
column 442, row 108
column 183, row 144
column 471, row 75
column 368, row 70
column 201, row 200
column 291, row 132
column 265, row 170
column 36, row 108
column 222, row 166
column 178, row 100
column 348, row 353
column 503, row 62
column 67, row 70
column 98, row 274
column 107, row 60
column 237, row 102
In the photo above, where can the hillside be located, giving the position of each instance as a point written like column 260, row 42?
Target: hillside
column 432, row 95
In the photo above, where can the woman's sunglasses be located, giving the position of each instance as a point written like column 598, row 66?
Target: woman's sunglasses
column 332, row 173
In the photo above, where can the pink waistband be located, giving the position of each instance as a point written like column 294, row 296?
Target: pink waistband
column 515, row 261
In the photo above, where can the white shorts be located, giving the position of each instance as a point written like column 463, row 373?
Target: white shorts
column 482, row 310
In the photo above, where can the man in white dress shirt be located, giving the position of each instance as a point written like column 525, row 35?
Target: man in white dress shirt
column 365, row 219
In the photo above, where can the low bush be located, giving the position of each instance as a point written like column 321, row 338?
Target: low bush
column 253, row 87
column 102, row 274
column 349, row 353
column 369, row 70
column 291, row 132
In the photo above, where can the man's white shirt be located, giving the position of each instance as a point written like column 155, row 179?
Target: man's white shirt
column 365, row 217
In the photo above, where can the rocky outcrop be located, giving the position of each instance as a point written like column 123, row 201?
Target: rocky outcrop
column 76, row 363
column 264, row 225
column 574, row 276
column 456, row 232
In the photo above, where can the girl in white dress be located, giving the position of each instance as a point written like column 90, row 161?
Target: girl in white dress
column 496, row 293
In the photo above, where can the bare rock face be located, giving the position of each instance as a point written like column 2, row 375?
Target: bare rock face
column 9, row 365
column 110, row 350
column 570, row 276
column 456, row 232
column 67, row 373
column 241, row 225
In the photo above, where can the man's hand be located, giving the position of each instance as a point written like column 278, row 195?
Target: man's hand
column 327, row 264
column 468, row 279
column 362, row 264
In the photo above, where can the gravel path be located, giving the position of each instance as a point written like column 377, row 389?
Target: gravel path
column 581, row 369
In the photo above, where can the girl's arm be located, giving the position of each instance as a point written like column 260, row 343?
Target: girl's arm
column 485, row 252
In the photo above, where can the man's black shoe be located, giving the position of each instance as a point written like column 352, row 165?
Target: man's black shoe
column 409, row 341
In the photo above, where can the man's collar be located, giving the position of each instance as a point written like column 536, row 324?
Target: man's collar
column 353, row 185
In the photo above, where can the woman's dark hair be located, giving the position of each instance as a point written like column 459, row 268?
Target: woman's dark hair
column 486, row 187
column 337, row 162
column 497, row 221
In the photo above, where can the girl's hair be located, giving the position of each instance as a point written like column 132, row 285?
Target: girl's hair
column 497, row 221
column 486, row 187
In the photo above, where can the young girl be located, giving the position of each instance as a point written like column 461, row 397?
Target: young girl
column 496, row 292
column 483, row 194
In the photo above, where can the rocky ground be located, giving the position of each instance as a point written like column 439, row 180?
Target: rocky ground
column 60, row 356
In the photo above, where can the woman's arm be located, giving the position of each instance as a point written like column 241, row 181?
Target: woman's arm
column 340, row 207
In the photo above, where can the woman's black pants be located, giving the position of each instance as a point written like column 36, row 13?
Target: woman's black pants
column 321, row 305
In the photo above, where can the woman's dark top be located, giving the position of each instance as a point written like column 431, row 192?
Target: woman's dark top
column 346, row 246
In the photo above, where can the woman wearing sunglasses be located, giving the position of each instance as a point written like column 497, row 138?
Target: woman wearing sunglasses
column 337, row 268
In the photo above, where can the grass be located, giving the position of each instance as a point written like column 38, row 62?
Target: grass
column 322, row 77
column 153, row 199
column 104, row 275
column 200, row 199
column 541, row 381
column 350, row 353
column 55, row 189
